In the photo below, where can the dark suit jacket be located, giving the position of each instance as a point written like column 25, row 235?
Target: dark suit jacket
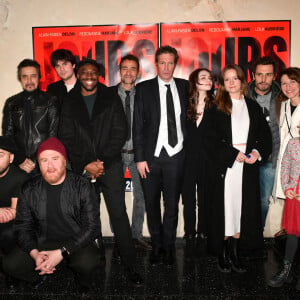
column 102, row 136
column 146, row 116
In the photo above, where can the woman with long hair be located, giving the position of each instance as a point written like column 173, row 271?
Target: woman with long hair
column 288, row 171
column 289, row 118
column 198, row 169
column 242, row 139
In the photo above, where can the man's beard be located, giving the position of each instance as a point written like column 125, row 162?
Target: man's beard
column 265, row 89
column 54, row 178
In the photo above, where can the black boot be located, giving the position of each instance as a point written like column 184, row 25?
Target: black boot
column 224, row 264
column 284, row 275
column 189, row 248
column 236, row 263
column 201, row 247
column 116, row 253
column 100, row 245
column 298, row 281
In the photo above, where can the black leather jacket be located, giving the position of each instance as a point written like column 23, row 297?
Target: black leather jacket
column 79, row 205
column 44, row 120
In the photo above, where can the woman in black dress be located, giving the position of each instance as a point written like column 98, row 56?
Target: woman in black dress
column 198, row 168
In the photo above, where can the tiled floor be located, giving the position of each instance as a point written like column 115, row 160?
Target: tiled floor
column 181, row 281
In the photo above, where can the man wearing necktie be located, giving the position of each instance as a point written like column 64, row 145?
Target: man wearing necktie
column 158, row 135
column 129, row 70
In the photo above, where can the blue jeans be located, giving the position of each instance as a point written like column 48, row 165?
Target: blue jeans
column 266, row 182
column 138, row 209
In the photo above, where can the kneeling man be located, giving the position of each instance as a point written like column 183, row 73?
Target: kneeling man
column 11, row 181
column 57, row 219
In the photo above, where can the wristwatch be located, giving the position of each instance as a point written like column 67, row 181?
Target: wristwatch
column 64, row 252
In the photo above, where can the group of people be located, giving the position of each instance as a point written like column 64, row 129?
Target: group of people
column 225, row 152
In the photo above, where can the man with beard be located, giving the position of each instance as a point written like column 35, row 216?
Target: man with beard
column 93, row 128
column 11, row 180
column 129, row 70
column 265, row 90
column 29, row 117
column 63, row 61
column 57, row 219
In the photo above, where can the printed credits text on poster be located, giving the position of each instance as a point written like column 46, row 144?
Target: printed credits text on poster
column 107, row 44
column 213, row 45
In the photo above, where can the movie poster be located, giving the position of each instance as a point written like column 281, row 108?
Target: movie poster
column 214, row 44
column 104, row 43
column 201, row 44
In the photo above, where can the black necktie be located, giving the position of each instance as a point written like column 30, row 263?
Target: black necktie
column 128, row 113
column 172, row 132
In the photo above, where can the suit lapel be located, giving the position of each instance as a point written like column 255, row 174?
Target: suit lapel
column 181, row 95
column 295, row 121
column 227, row 122
column 252, row 122
column 156, row 100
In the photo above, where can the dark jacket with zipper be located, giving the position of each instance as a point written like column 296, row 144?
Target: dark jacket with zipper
column 44, row 122
column 79, row 205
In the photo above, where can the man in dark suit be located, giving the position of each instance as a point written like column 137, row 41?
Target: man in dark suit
column 93, row 128
column 158, row 134
column 129, row 71
column 63, row 61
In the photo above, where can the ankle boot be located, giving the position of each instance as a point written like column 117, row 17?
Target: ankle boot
column 284, row 275
column 236, row 263
column 200, row 247
column 298, row 281
column 189, row 247
column 224, row 264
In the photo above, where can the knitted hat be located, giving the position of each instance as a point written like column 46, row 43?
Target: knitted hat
column 52, row 144
column 7, row 144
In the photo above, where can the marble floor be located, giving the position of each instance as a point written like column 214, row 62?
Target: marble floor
column 199, row 280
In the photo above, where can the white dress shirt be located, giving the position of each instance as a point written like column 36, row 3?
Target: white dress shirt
column 162, row 140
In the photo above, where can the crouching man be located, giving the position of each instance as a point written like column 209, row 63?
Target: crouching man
column 57, row 219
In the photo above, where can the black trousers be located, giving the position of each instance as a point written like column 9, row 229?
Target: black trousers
column 165, row 177
column 112, row 186
column 7, row 237
column 193, row 183
column 83, row 262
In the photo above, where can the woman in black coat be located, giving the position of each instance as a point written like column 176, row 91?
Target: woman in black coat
column 197, row 163
column 243, row 139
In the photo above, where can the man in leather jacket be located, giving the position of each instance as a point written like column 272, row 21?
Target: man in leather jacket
column 29, row 117
column 57, row 219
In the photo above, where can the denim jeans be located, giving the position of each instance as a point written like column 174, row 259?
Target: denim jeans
column 138, row 209
column 266, row 182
